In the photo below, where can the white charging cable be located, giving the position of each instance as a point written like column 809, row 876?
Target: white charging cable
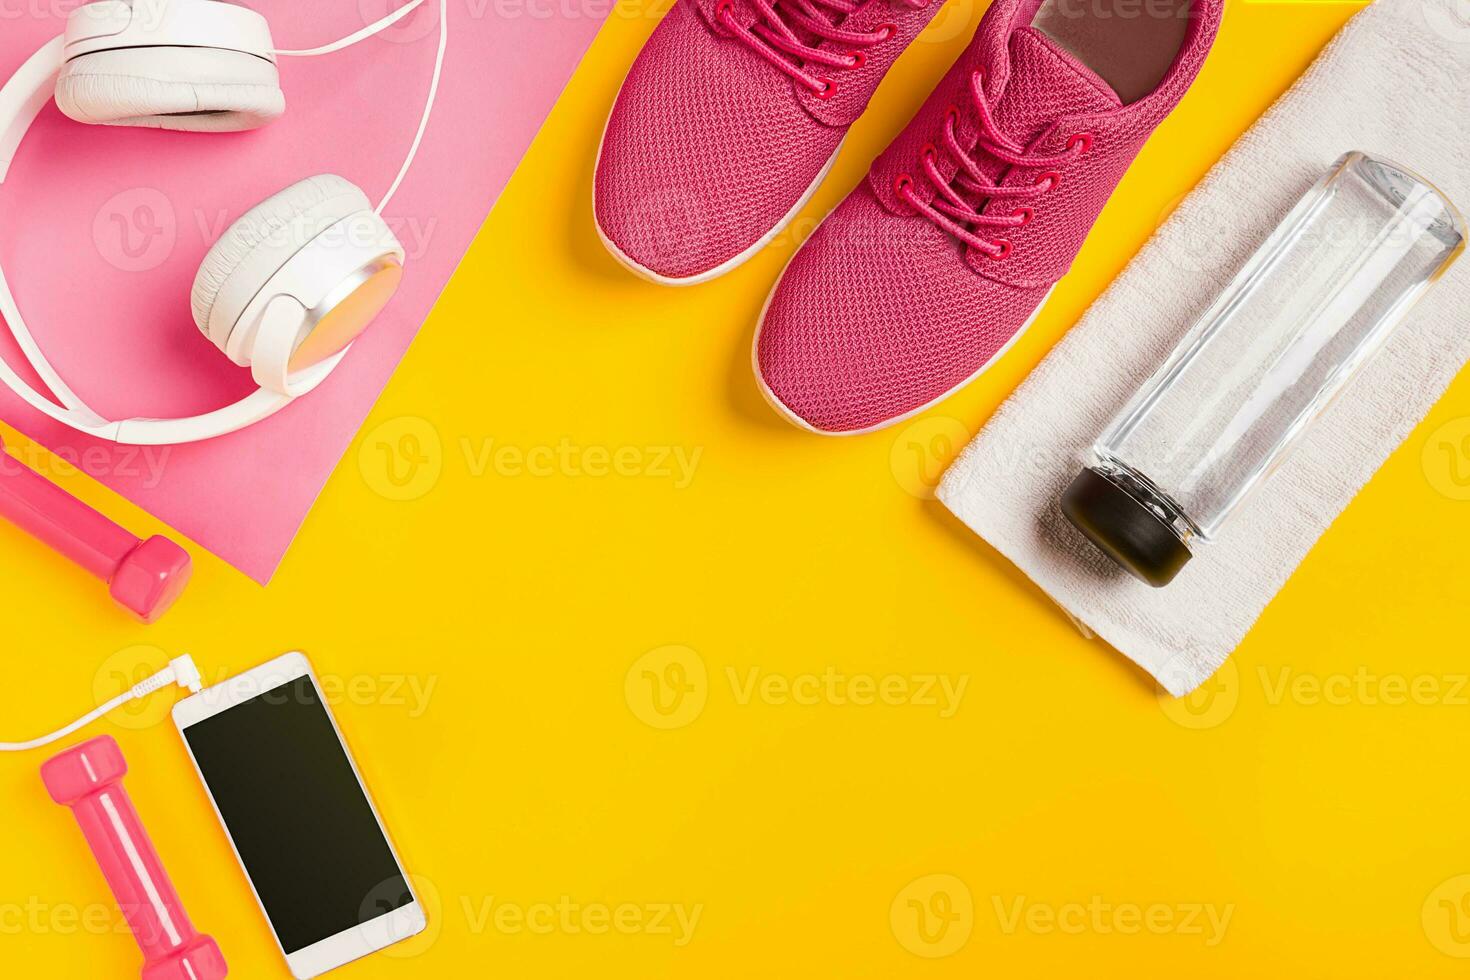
column 180, row 671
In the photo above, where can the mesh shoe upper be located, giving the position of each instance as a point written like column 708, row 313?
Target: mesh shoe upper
column 709, row 147
column 883, row 310
column 848, row 342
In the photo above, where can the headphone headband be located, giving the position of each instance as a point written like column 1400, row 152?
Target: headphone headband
column 24, row 96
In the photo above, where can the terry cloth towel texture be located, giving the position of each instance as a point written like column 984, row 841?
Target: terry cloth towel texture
column 1394, row 82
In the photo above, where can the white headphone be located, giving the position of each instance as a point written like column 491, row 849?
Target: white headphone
column 289, row 285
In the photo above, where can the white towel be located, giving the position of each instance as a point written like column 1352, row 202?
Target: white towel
column 1395, row 82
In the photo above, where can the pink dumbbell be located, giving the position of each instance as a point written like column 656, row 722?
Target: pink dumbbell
column 145, row 577
column 88, row 778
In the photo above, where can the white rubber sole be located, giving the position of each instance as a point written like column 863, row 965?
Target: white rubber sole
column 801, row 423
column 643, row 272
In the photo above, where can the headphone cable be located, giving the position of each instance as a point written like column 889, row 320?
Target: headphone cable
column 378, row 27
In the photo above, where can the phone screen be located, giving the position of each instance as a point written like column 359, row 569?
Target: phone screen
column 298, row 815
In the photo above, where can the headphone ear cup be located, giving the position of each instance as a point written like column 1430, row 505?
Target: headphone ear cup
column 261, row 242
column 182, row 88
column 296, row 280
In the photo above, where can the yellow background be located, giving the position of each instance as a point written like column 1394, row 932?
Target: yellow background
column 1301, row 796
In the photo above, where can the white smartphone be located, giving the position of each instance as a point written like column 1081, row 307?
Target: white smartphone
column 298, row 816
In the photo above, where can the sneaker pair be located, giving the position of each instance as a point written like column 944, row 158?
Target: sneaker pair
column 735, row 111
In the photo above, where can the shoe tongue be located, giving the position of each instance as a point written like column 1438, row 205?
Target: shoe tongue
column 1046, row 83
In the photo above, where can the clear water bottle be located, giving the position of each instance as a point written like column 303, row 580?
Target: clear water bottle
column 1309, row 309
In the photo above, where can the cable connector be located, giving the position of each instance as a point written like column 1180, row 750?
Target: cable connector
column 186, row 674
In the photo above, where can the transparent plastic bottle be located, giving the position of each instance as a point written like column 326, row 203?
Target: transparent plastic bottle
column 1303, row 316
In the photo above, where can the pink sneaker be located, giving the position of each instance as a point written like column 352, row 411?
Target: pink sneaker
column 729, row 119
column 934, row 266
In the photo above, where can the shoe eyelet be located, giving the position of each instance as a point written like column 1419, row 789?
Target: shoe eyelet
column 1081, row 142
column 724, row 7
column 930, row 152
column 1025, row 214
column 1049, row 181
column 952, row 115
column 828, row 89
column 858, row 60
column 1003, row 250
column 901, row 183
column 885, row 31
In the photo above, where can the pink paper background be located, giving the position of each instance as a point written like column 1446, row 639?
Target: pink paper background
column 102, row 229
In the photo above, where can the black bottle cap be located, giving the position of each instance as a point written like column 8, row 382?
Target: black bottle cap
column 1124, row 529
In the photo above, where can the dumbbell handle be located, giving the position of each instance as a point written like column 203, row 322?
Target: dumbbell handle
column 44, row 510
column 134, row 872
column 146, row 576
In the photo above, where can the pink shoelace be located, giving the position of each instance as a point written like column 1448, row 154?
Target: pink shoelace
column 951, row 210
column 790, row 34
